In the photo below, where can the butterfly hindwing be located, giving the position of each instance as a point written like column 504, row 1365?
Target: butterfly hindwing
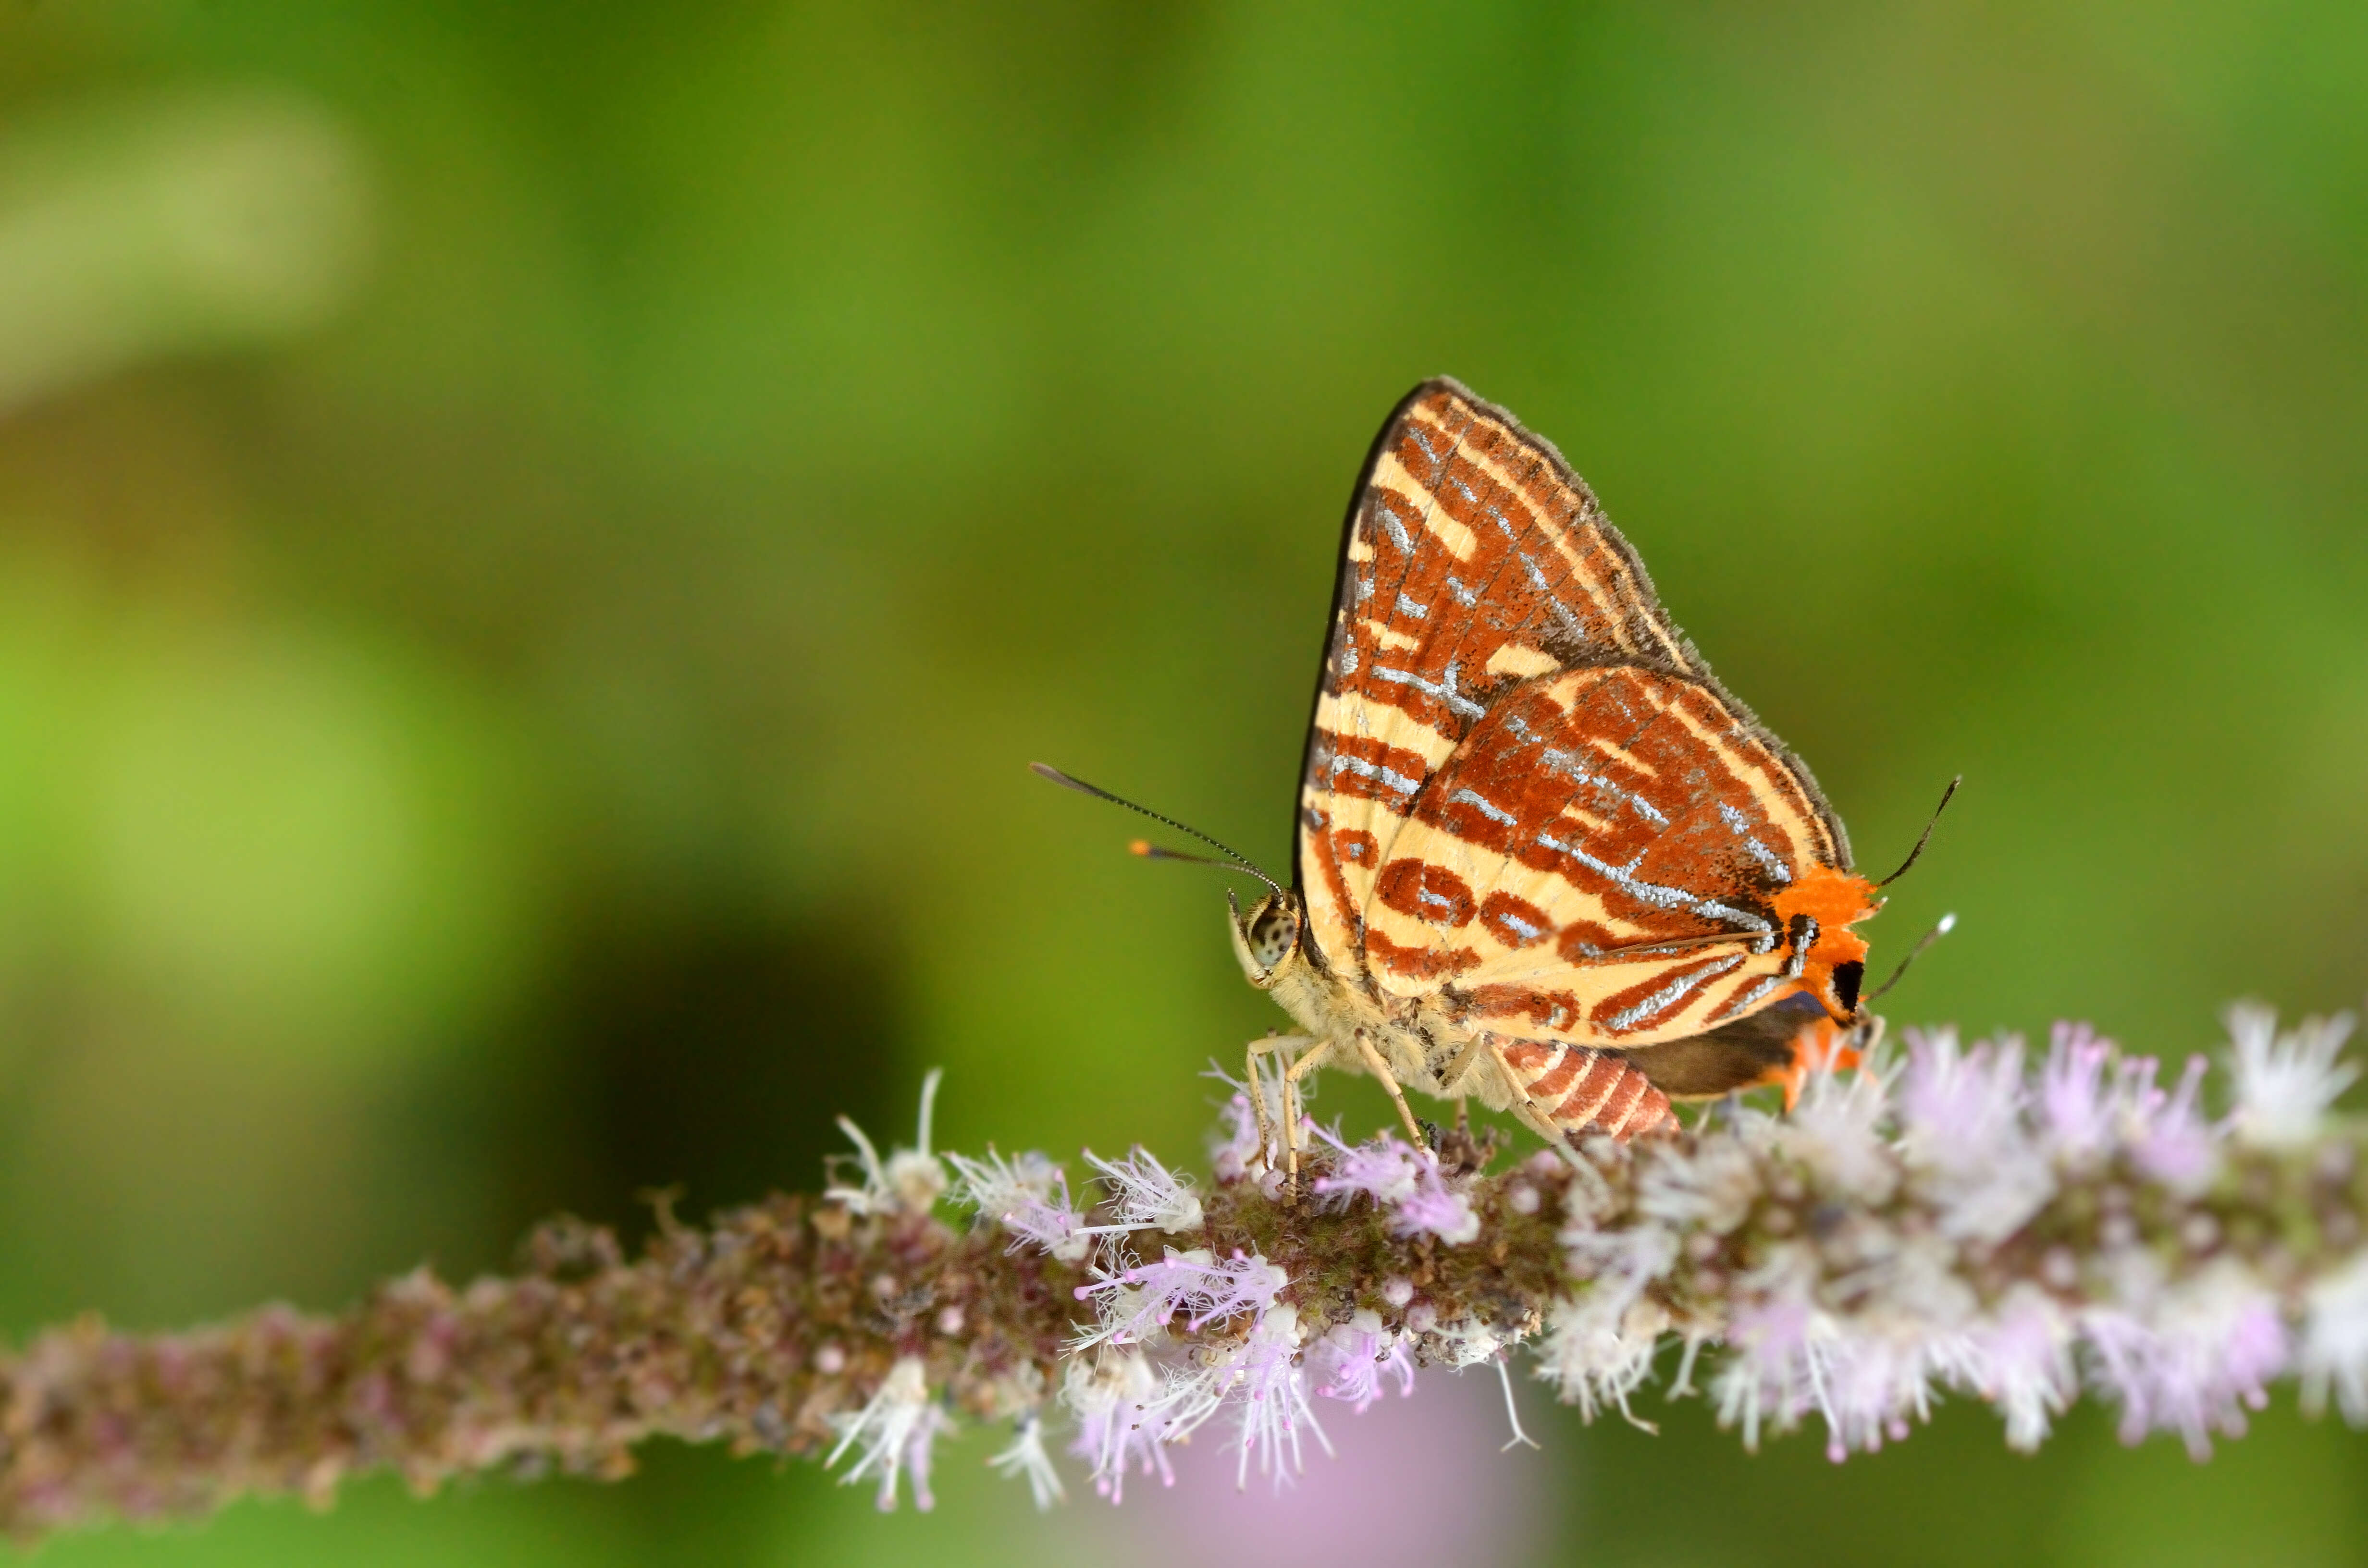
column 1591, row 814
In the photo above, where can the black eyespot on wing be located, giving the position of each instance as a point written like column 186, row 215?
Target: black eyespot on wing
column 1848, row 978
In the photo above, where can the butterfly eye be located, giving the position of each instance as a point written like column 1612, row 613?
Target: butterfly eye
column 1273, row 933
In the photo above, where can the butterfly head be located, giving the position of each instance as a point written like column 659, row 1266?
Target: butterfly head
column 1820, row 910
column 1265, row 938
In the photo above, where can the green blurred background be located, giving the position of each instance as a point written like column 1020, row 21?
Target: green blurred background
column 537, row 540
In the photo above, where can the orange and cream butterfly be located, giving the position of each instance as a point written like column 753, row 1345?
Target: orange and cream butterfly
column 1544, row 858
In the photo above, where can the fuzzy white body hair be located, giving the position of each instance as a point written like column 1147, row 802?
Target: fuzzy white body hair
column 1420, row 1043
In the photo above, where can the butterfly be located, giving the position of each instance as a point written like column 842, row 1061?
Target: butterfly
column 1544, row 858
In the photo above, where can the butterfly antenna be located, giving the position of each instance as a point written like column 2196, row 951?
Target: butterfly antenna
column 1235, row 859
column 1926, row 838
column 1946, row 923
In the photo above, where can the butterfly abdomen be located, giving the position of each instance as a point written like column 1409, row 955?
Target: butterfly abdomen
column 1581, row 1092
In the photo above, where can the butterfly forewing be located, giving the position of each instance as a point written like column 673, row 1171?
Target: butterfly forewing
column 1518, row 766
column 1474, row 559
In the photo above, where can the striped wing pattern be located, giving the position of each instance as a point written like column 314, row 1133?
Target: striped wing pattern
column 1593, row 810
column 1518, row 766
column 1472, row 559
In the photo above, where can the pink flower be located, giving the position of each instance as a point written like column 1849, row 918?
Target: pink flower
column 1149, row 1196
column 1355, row 1357
column 1405, row 1181
column 1265, row 1379
column 1051, row 1225
column 1385, row 1170
column 1127, row 1416
column 1836, row 1129
column 1960, row 1102
column 2077, row 1112
column 1026, row 1460
column 2195, row 1363
column 1436, row 1210
column 1029, row 1195
column 1961, row 1131
column 1763, row 1380
column 1599, row 1347
column 1137, row 1304
column 2020, row 1360
column 893, row 1433
column 2173, row 1143
column 1232, row 1153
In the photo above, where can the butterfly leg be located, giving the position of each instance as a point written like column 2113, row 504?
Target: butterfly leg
column 1381, row 1069
column 1272, row 1044
column 1291, row 1075
column 1524, row 1109
column 1451, row 1081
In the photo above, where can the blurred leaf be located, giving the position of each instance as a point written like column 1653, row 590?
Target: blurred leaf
column 162, row 225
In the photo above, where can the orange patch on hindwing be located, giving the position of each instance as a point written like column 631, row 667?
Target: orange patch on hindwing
column 1834, row 899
